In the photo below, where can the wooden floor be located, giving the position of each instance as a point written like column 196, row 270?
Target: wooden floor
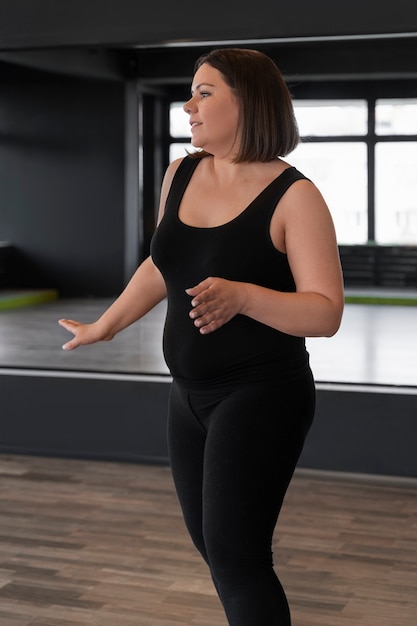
column 95, row 543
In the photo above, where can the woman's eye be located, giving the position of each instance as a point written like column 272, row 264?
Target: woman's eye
column 204, row 94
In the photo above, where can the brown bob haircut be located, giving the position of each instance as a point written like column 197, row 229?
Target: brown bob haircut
column 269, row 128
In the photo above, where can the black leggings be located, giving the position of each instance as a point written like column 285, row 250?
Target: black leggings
column 233, row 453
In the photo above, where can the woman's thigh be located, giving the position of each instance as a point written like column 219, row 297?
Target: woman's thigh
column 233, row 455
column 253, row 443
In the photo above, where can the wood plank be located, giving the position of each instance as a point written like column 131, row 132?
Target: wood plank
column 88, row 542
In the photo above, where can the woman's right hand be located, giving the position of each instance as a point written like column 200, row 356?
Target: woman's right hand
column 84, row 334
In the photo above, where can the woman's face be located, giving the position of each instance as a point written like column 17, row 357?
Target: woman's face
column 214, row 113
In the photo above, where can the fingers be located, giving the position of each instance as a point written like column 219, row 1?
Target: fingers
column 71, row 326
column 201, row 296
column 70, row 345
column 215, row 302
column 203, row 318
column 206, row 319
column 200, row 293
column 207, row 325
column 209, row 310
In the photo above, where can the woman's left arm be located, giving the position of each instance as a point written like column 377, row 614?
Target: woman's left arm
column 303, row 226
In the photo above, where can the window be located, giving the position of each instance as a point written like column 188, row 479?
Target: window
column 396, row 192
column 331, row 117
column 362, row 155
column 395, row 171
column 339, row 171
column 396, row 117
column 338, row 167
column 179, row 129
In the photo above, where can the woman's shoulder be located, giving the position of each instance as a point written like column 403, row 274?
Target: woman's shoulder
column 170, row 172
column 188, row 162
column 179, row 169
column 173, row 167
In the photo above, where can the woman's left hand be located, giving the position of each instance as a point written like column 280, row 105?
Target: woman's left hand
column 215, row 301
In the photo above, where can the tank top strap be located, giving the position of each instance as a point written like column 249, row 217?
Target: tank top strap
column 180, row 181
column 276, row 189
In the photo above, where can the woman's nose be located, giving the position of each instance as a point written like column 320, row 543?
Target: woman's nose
column 188, row 106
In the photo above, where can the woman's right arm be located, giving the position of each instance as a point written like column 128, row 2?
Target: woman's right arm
column 145, row 290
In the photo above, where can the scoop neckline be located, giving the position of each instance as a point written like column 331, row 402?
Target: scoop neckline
column 238, row 216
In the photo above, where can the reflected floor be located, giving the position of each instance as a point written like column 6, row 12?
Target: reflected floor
column 375, row 344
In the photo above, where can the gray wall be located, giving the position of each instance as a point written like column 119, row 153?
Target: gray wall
column 62, row 182
column 366, row 431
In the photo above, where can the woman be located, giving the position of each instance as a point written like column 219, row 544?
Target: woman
column 246, row 253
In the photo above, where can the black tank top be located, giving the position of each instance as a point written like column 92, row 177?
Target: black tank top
column 243, row 350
